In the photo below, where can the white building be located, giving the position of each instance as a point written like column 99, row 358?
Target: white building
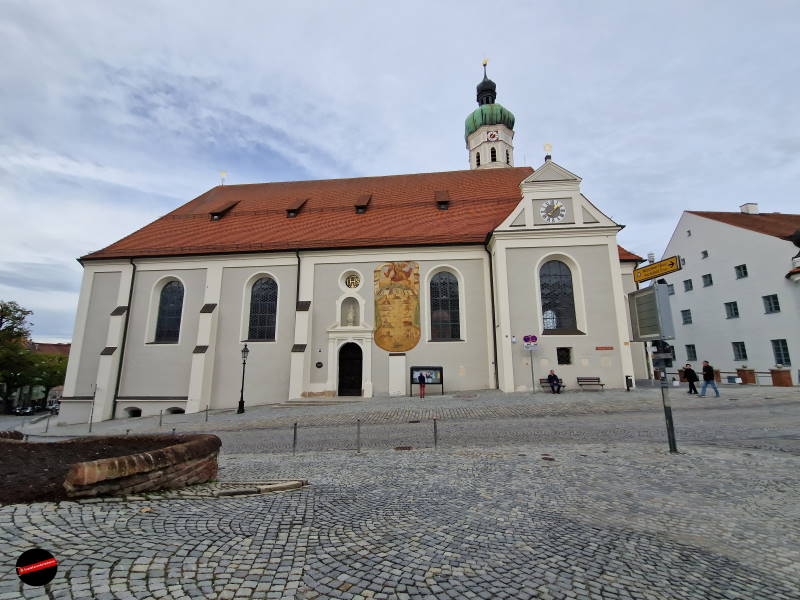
column 736, row 301
column 341, row 287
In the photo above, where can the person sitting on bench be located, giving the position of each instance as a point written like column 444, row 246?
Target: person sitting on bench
column 554, row 381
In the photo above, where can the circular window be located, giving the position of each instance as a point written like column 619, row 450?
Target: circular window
column 352, row 280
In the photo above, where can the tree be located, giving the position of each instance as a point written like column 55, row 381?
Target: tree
column 15, row 359
column 16, row 365
column 47, row 370
column 14, row 325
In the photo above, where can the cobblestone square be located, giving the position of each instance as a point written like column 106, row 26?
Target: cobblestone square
column 600, row 514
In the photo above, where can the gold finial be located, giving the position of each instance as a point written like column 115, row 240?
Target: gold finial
column 222, row 176
column 485, row 61
column 548, row 149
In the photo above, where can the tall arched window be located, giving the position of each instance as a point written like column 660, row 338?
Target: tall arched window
column 170, row 307
column 493, row 154
column 477, row 159
column 263, row 310
column 445, row 314
column 508, row 157
column 558, row 300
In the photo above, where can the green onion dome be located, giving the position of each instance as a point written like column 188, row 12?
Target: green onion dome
column 488, row 114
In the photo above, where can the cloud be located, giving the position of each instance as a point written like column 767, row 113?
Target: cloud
column 112, row 115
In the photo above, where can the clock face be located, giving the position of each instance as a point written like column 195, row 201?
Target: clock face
column 492, row 136
column 553, row 211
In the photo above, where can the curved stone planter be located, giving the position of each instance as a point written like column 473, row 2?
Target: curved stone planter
column 188, row 462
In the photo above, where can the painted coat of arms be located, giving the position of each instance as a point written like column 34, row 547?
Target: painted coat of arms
column 397, row 306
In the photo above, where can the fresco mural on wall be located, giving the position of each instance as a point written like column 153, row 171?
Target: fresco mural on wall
column 397, row 306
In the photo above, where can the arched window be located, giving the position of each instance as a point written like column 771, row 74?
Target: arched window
column 477, row 159
column 350, row 310
column 558, row 301
column 263, row 310
column 493, row 154
column 508, row 157
column 445, row 315
column 170, row 307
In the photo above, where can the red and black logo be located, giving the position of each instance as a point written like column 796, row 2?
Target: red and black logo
column 36, row 567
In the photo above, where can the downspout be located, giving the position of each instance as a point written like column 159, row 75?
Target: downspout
column 494, row 322
column 124, row 338
column 297, row 288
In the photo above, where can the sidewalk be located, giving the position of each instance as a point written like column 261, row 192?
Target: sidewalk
column 481, row 405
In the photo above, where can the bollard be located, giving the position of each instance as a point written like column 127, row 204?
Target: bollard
column 435, row 434
column 90, row 423
column 206, row 413
column 47, row 425
column 294, row 439
column 160, row 417
column 673, row 448
column 358, row 436
column 173, row 431
column 26, row 437
column 127, row 431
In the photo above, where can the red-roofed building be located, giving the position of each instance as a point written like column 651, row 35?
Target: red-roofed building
column 345, row 286
column 736, row 300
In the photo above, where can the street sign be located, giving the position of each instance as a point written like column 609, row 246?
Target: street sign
column 530, row 346
column 662, row 267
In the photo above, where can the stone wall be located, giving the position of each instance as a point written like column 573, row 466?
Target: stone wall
column 11, row 435
column 186, row 463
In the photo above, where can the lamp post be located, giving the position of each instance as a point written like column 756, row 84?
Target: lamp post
column 245, row 352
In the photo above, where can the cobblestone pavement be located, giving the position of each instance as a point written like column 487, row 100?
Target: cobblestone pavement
column 482, row 405
column 559, row 521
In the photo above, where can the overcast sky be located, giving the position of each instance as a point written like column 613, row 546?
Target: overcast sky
column 113, row 113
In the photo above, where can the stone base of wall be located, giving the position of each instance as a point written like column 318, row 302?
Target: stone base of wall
column 11, row 435
column 325, row 394
column 179, row 465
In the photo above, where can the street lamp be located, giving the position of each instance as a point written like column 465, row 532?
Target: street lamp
column 245, row 352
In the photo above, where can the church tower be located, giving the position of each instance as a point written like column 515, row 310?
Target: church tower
column 489, row 130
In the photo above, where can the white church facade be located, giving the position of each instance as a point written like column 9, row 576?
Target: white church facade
column 341, row 287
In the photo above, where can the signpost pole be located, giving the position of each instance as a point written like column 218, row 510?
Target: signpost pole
column 533, row 379
column 673, row 448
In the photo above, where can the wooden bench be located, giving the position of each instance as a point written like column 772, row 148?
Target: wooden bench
column 546, row 384
column 583, row 381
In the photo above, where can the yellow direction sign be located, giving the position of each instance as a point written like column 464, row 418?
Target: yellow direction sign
column 662, row 267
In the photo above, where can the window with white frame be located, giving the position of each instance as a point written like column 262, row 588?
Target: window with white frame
column 688, row 286
column 771, row 304
column 263, row 310
column 732, row 310
column 686, row 316
column 170, row 309
column 691, row 352
column 741, row 271
column 739, row 351
column 780, row 349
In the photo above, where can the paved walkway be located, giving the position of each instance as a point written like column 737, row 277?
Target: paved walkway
column 555, row 521
column 487, row 404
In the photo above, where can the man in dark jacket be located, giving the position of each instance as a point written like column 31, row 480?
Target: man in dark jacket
column 554, row 381
column 708, row 379
column 690, row 375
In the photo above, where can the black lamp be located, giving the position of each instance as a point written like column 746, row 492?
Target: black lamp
column 245, row 352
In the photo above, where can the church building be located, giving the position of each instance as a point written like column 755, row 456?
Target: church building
column 348, row 287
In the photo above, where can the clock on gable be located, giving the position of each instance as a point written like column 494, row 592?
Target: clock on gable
column 492, row 136
column 553, row 211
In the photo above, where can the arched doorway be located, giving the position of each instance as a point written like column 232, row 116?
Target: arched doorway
column 350, row 359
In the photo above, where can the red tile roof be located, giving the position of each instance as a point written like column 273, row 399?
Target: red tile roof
column 42, row 348
column 776, row 224
column 297, row 215
column 628, row 256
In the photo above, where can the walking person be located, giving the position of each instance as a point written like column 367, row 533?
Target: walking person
column 421, row 380
column 708, row 379
column 554, row 381
column 690, row 375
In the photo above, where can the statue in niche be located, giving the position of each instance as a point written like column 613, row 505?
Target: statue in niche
column 350, row 317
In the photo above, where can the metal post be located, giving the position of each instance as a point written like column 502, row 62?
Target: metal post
column 91, row 412
column 127, row 431
column 160, row 417
column 294, row 439
column 533, row 380
column 358, row 436
column 435, row 434
column 173, row 431
column 673, row 448
column 47, row 425
column 206, row 413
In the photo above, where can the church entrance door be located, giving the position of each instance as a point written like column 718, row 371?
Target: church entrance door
column 350, row 361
